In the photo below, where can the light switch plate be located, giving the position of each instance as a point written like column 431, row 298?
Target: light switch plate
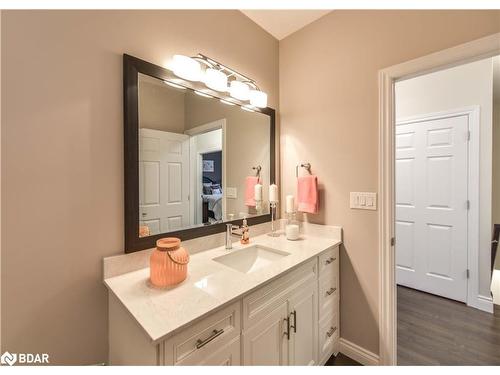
column 231, row 192
column 363, row 200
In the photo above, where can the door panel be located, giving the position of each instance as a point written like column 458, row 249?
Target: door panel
column 265, row 343
column 304, row 324
column 431, row 205
column 163, row 180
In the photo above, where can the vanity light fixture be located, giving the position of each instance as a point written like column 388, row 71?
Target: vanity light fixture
column 239, row 90
column 258, row 98
column 175, row 85
column 187, row 68
column 215, row 79
column 216, row 76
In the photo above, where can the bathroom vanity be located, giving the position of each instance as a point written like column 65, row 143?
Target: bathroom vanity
column 188, row 151
column 271, row 302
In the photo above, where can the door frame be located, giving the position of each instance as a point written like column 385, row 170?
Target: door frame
column 482, row 48
column 473, row 298
column 194, row 165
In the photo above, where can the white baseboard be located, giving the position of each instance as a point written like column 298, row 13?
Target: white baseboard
column 482, row 303
column 359, row 354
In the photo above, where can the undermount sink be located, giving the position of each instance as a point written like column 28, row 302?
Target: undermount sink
column 250, row 259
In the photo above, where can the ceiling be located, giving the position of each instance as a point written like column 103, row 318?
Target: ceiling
column 281, row 23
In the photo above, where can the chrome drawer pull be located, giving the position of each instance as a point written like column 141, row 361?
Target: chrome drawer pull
column 287, row 333
column 331, row 291
column 294, row 313
column 330, row 260
column 215, row 333
column 331, row 331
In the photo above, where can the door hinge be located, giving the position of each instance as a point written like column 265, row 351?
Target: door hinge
column 468, row 204
column 468, row 273
column 468, row 135
column 393, row 241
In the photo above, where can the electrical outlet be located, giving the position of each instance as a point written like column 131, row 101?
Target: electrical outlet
column 363, row 201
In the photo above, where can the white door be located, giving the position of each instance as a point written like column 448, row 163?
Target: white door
column 163, row 180
column 265, row 343
column 304, row 327
column 431, row 206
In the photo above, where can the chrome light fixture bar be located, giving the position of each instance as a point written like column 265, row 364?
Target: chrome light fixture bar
column 219, row 78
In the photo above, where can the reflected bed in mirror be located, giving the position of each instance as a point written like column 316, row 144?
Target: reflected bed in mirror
column 190, row 160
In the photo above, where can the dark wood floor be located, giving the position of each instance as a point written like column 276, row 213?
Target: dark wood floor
column 437, row 331
column 341, row 360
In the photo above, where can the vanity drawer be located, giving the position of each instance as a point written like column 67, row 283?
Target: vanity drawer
column 328, row 337
column 266, row 299
column 228, row 355
column 328, row 294
column 203, row 338
column 329, row 260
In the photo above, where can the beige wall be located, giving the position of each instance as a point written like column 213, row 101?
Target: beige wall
column 247, row 145
column 329, row 117
column 160, row 107
column 454, row 89
column 62, row 158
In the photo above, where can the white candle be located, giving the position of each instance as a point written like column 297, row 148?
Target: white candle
column 290, row 203
column 273, row 193
column 292, row 232
column 257, row 194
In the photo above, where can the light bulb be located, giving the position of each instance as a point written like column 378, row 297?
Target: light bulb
column 239, row 90
column 187, row 68
column 215, row 79
column 258, row 98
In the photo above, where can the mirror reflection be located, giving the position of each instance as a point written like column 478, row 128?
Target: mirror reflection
column 199, row 159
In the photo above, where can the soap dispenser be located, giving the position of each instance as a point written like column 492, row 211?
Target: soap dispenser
column 245, row 233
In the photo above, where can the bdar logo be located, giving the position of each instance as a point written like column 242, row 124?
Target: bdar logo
column 8, row 358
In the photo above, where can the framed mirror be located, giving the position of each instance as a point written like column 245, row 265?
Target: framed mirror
column 191, row 161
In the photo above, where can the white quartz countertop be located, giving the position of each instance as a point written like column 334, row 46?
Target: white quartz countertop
column 209, row 284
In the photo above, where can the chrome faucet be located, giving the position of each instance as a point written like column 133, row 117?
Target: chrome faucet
column 231, row 231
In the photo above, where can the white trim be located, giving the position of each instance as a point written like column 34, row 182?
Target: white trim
column 483, row 303
column 359, row 354
column 468, row 52
column 205, row 128
column 195, row 187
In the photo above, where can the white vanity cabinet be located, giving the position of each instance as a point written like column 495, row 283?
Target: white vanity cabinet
column 280, row 320
column 291, row 320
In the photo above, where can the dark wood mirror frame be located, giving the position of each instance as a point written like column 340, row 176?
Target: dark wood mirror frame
column 131, row 67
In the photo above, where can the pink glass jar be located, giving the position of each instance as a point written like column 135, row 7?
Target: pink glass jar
column 168, row 262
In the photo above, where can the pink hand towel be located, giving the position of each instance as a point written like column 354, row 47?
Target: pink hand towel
column 250, row 182
column 307, row 194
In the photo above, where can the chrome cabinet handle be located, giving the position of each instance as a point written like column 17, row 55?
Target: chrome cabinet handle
column 294, row 313
column 201, row 343
column 287, row 333
column 331, row 331
column 330, row 260
column 331, row 291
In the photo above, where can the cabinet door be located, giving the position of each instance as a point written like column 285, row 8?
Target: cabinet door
column 266, row 343
column 303, row 344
